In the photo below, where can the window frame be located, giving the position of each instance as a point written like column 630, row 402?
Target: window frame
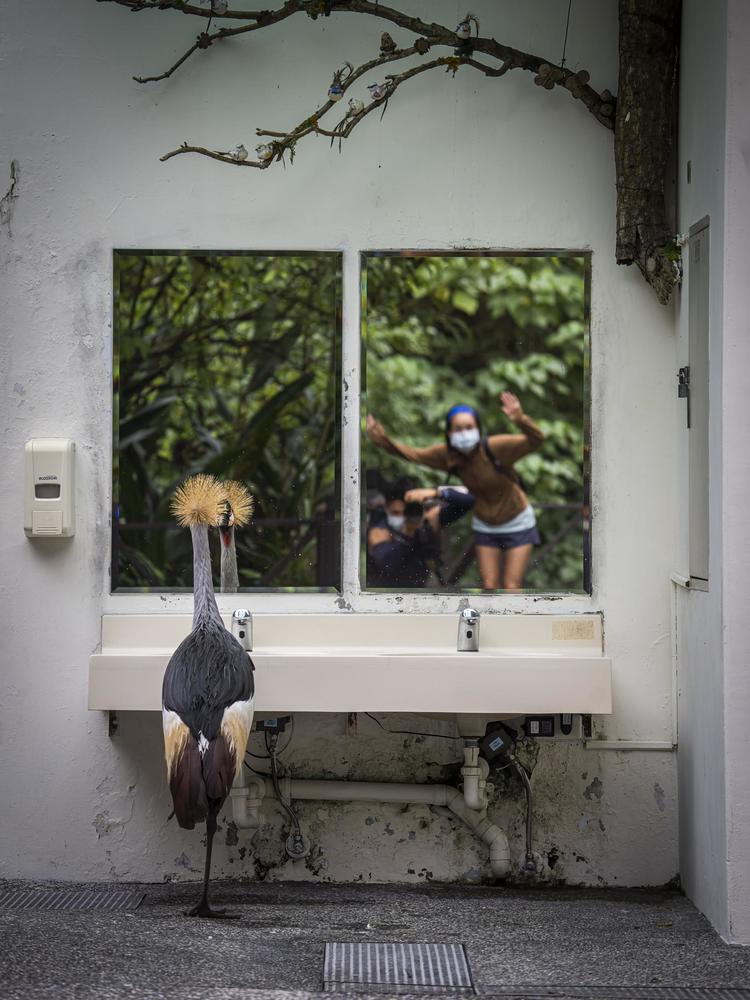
column 336, row 259
column 586, row 461
column 352, row 597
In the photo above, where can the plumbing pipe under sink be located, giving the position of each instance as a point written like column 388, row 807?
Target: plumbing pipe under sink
column 247, row 814
column 474, row 773
column 247, row 795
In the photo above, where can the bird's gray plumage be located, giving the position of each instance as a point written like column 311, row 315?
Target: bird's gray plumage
column 209, row 670
column 207, row 697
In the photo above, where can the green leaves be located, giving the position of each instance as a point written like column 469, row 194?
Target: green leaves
column 443, row 330
column 227, row 364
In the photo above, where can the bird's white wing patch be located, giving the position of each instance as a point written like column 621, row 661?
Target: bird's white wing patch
column 175, row 738
column 236, row 724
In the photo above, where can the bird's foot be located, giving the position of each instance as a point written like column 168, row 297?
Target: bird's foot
column 204, row 910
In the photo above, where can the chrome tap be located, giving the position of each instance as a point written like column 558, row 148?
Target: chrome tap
column 242, row 628
column 468, row 631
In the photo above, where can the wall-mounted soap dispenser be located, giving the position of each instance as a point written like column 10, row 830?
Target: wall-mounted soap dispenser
column 49, row 487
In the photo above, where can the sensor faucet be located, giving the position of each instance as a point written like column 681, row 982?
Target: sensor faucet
column 468, row 631
column 242, row 628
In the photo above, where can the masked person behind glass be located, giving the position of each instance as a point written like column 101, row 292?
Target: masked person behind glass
column 402, row 538
column 504, row 523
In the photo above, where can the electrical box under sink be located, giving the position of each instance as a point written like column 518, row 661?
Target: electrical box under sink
column 526, row 664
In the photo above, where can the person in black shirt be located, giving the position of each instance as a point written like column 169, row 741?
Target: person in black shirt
column 402, row 539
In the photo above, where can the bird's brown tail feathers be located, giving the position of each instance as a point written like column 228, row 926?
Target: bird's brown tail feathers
column 187, row 787
column 218, row 770
column 199, row 783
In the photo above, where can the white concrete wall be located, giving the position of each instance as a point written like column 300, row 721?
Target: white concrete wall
column 713, row 645
column 469, row 162
column 736, row 469
column 701, row 683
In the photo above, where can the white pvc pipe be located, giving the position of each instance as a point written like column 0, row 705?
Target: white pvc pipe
column 487, row 832
column 474, row 773
column 386, row 791
column 665, row 745
column 247, row 798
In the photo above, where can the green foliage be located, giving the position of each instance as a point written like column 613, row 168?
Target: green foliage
column 227, row 364
column 230, row 364
column 444, row 330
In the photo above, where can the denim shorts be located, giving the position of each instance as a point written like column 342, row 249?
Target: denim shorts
column 508, row 539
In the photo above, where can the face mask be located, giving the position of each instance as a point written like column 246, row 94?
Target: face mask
column 465, row 441
column 396, row 521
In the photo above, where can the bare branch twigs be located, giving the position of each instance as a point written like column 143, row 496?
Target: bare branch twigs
column 430, row 35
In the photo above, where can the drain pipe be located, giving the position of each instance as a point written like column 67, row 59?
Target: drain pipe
column 474, row 773
column 247, row 794
column 393, row 792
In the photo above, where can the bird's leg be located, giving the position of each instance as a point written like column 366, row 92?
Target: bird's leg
column 203, row 909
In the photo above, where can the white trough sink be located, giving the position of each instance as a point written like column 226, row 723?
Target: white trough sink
column 527, row 664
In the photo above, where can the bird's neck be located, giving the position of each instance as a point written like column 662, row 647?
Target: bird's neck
column 229, row 578
column 205, row 608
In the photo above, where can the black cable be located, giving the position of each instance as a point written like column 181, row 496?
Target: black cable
column 565, row 42
column 409, row 732
column 277, row 788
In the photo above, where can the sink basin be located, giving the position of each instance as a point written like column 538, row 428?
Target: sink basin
column 545, row 664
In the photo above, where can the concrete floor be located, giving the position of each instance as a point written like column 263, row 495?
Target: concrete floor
column 275, row 949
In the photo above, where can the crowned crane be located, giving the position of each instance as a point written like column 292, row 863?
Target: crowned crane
column 207, row 695
column 235, row 511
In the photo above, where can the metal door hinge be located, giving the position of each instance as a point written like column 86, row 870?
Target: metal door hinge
column 683, row 387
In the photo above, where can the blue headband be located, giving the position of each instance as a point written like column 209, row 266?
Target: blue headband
column 461, row 408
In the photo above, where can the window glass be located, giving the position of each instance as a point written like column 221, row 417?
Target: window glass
column 227, row 363
column 494, row 496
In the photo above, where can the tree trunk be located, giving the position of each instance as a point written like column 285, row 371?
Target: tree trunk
column 649, row 46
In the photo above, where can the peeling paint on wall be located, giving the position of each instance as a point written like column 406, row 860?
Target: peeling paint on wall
column 595, row 790
column 8, row 200
column 577, row 839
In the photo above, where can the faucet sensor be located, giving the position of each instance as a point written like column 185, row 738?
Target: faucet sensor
column 468, row 631
column 242, row 628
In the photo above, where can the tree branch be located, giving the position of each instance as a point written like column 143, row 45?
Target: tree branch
column 641, row 119
column 547, row 74
column 206, row 39
column 284, row 141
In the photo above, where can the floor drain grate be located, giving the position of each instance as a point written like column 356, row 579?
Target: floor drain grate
column 397, row 968
column 546, row 992
column 70, row 899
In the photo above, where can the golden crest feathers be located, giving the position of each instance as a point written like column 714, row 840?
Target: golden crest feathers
column 197, row 500
column 240, row 500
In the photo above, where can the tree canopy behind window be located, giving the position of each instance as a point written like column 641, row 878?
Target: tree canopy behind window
column 227, row 364
column 442, row 330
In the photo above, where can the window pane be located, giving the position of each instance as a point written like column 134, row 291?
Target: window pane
column 227, row 363
column 441, row 330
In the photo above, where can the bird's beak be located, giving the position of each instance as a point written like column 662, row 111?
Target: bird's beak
column 226, row 523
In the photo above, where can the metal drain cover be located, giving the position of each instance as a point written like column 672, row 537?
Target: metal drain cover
column 70, row 899
column 545, row 992
column 397, row 968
